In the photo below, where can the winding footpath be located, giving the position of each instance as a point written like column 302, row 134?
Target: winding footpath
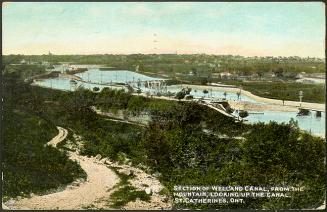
column 100, row 179
column 58, row 138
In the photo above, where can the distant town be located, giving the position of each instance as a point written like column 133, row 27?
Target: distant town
column 212, row 67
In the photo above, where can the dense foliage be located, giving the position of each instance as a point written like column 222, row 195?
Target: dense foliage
column 29, row 165
column 279, row 153
column 269, row 155
column 25, row 71
column 186, row 142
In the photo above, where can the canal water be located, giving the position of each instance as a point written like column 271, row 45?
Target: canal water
column 216, row 95
column 63, row 83
column 311, row 123
column 117, row 76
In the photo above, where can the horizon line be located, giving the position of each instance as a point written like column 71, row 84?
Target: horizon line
column 82, row 54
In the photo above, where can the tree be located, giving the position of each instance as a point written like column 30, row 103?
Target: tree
column 188, row 91
column 12, row 85
column 189, row 97
column 243, row 113
column 96, row 89
column 278, row 72
column 136, row 104
column 169, row 94
column 225, row 94
column 194, row 71
column 204, row 81
column 130, row 88
column 180, row 95
column 260, row 74
column 229, row 110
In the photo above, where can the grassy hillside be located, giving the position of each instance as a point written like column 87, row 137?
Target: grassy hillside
column 28, row 165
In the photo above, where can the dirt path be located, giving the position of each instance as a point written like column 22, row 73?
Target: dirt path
column 238, row 105
column 58, row 138
column 99, row 180
column 322, row 207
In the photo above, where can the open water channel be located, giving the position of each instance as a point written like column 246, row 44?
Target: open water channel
column 101, row 79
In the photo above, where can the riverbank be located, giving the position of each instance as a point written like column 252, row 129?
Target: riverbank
column 248, row 106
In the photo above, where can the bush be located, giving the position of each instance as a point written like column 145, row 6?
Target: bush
column 243, row 113
column 180, row 95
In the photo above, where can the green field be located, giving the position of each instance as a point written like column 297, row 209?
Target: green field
column 284, row 91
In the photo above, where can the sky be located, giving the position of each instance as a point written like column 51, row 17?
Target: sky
column 243, row 28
